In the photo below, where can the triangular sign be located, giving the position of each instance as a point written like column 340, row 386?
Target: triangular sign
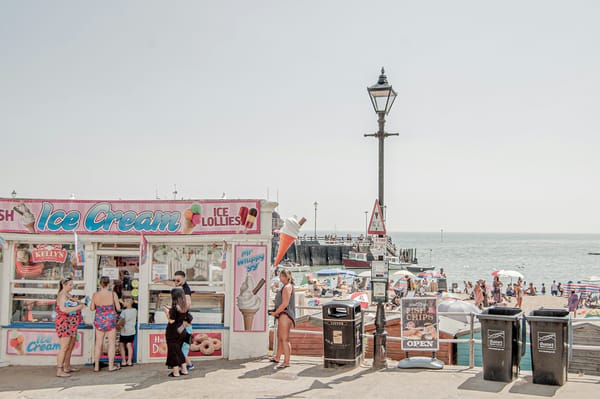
column 376, row 226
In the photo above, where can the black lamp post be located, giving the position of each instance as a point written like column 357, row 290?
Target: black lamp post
column 382, row 97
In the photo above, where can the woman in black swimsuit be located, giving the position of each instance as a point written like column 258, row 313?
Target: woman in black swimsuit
column 285, row 313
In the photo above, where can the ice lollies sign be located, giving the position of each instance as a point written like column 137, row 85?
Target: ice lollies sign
column 250, row 313
column 130, row 217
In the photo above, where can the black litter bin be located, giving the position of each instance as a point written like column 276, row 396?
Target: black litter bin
column 342, row 338
column 549, row 335
column 502, row 342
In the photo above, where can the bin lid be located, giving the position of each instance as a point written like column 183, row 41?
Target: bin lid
column 348, row 303
column 551, row 315
column 501, row 313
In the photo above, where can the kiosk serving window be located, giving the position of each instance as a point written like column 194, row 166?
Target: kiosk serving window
column 204, row 274
column 37, row 273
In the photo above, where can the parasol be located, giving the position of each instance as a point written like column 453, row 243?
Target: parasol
column 404, row 273
column 508, row 273
column 458, row 306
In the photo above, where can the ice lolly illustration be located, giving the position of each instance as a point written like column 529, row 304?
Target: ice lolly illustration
column 248, row 302
column 288, row 233
column 191, row 218
column 27, row 217
column 243, row 214
column 251, row 218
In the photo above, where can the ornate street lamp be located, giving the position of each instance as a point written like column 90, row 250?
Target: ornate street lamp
column 382, row 97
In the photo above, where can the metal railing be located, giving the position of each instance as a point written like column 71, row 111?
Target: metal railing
column 471, row 340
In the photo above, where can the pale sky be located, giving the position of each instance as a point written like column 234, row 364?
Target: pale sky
column 497, row 107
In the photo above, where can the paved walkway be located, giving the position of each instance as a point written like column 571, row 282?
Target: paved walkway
column 257, row 378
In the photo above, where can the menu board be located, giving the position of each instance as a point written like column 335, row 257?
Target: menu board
column 419, row 324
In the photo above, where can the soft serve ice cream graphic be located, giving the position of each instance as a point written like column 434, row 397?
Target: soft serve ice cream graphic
column 248, row 301
column 27, row 217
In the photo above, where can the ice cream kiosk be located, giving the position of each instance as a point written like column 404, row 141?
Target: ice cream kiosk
column 223, row 246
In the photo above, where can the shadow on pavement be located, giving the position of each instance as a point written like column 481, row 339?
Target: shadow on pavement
column 318, row 371
column 477, row 383
column 140, row 376
column 526, row 386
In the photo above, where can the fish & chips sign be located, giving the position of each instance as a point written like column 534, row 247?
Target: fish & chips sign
column 419, row 324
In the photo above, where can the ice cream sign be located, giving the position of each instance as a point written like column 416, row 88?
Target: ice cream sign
column 249, row 286
column 37, row 343
column 127, row 217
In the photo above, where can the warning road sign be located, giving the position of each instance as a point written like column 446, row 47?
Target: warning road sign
column 376, row 226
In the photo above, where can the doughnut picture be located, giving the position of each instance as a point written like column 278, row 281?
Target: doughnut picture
column 206, row 344
column 206, row 347
column 216, row 343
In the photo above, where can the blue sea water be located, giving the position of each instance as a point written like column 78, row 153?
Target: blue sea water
column 539, row 257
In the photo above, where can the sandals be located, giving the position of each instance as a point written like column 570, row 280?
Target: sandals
column 71, row 370
column 173, row 375
column 60, row 372
column 282, row 366
column 273, row 360
column 114, row 369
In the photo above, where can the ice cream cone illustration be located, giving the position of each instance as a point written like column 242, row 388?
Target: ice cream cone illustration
column 248, row 318
column 288, row 234
column 191, row 218
column 248, row 301
column 17, row 344
column 27, row 217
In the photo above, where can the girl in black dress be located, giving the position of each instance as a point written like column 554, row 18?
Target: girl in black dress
column 175, row 332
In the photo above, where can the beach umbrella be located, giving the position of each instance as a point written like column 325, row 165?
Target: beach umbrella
column 592, row 279
column 362, row 297
column 429, row 275
column 404, row 273
column 366, row 273
column 451, row 295
column 334, row 272
column 508, row 273
column 458, row 306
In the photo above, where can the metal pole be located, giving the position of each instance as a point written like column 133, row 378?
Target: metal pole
column 366, row 225
column 379, row 339
column 381, row 137
column 315, row 204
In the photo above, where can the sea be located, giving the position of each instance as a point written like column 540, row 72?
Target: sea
column 541, row 258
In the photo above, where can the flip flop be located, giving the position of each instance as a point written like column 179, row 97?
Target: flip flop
column 282, row 366
column 125, row 365
column 273, row 360
column 173, row 375
column 115, row 369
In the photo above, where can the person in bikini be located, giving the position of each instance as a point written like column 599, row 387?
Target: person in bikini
column 68, row 318
column 285, row 313
column 106, row 304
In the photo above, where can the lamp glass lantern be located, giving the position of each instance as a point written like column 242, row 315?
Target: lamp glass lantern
column 382, row 94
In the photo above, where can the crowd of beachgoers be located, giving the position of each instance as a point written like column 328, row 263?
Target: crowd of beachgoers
column 520, row 293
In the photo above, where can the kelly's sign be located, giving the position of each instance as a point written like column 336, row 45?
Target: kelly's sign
column 130, row 217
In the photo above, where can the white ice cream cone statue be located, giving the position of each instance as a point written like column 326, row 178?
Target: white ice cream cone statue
column 288, row 234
